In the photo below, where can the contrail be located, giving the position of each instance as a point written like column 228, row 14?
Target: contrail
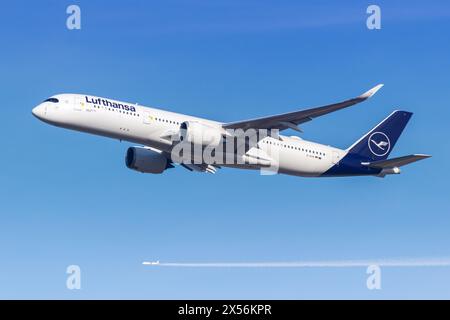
column 433, row 262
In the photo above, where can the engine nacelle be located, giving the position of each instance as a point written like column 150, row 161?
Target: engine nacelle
column 200, row 134
column 146, row 160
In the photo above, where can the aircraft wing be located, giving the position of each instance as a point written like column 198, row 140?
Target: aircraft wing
column 396, row 162
column 293, row 119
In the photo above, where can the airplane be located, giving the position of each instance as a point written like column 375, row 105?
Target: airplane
column 151, row 263
column 158, row 133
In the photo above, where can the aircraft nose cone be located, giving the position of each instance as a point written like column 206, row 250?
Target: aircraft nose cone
column 38, row 111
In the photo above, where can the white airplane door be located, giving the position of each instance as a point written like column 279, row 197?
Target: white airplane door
column 78, row 103
column 147, row 117
column 336, row 157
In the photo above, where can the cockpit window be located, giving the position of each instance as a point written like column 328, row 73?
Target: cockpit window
column 54, row 100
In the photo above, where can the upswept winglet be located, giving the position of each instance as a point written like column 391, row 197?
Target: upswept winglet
column 371, row 92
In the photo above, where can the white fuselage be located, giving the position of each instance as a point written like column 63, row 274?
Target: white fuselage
column 147, row 126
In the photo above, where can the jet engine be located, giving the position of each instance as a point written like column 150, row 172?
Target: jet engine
column 146, row 160
column 200, row 134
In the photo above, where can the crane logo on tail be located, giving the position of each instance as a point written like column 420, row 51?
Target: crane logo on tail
column 379, row 144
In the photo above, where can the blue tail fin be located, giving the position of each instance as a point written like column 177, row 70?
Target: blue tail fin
column 379, row 142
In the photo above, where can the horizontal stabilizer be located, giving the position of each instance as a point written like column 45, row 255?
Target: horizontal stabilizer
column 396, row 162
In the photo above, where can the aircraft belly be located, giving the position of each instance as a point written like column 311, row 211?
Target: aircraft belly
column 302, row 164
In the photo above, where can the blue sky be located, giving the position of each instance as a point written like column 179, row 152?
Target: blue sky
column 67, row 197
